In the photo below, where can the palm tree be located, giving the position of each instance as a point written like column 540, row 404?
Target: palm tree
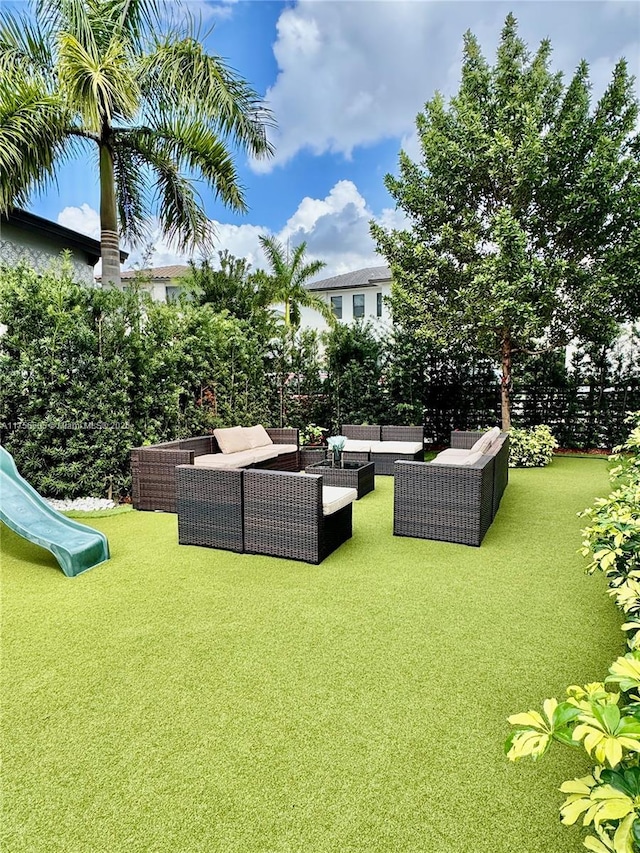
column 286, row 283
column 155, row 106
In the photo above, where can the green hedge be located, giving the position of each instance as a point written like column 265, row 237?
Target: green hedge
column 88, row 374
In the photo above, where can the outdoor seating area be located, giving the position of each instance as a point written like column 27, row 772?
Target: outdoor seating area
column 230, row 495
column 233, row 680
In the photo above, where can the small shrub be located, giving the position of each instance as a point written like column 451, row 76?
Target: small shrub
column 531, row 448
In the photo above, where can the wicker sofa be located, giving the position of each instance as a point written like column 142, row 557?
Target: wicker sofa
column 383, row 445
column 153, row 467
column 449, row 501
column 277, row 513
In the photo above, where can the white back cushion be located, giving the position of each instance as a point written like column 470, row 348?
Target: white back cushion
column 232, row 439
column 257, row 436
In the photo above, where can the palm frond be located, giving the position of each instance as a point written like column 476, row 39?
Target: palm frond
column 33, row 126
column 133, row 195
column 196, row 148
column 24, row 46
column 276, row 256
column 179, row 77
column 73, row 16
column 137, row 17
column 99, row 84
column 180, row 209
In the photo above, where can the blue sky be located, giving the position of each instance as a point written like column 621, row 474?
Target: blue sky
column 345, row 79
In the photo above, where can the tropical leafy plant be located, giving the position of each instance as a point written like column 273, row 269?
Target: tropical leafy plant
column 288, row 274
column 152, row 104
column 312, row 434
column 531, row 448
column 603, row 717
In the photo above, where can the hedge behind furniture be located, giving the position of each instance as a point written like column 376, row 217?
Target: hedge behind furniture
column 452, row 503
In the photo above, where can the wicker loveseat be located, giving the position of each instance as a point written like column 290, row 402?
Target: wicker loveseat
column 153, row 467
column 277, row 513
column 450, row 501
column 383, row 445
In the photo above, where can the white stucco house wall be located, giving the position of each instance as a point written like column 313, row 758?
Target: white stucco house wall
column 353, row 295
column 39, row 242
column 161, row 283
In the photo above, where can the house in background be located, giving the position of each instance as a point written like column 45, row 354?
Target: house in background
column 161, row 283
column 39, row 242
column 358, row 295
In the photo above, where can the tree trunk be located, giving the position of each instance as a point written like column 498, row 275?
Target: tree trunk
column 505, row 385
column 109, row 237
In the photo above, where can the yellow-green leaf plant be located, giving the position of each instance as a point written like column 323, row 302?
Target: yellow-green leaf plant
column 604, row 722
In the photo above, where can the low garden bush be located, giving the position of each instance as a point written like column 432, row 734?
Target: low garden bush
column 531, row 448
column 603, row 717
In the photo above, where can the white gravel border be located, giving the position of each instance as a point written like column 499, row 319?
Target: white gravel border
column 81, row 504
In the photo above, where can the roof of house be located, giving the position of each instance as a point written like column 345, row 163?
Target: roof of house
column 170, row 272
column 164, row 274
column 368, row 277
column 57, row 233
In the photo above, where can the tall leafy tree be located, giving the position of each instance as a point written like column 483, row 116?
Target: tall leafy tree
column 288, row 275
column 154, row 106
column 229, row 287
column 524, row 210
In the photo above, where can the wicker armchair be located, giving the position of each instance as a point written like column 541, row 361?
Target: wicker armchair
column 209, row 505
column 283, row 517
column 452, row 503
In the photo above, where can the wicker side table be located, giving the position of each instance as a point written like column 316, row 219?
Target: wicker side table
column 352, row 475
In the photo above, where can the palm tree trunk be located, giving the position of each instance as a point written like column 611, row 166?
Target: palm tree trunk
column 109, row 237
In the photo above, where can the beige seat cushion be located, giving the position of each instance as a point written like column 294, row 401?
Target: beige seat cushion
column 232, row 439
column 262, row 453
column 226, row 460
column 335, row 498
column 452, row 453
column 396, row 447
column 354, row 445
column 257, row 436
column 284, row 448
column 469, row 458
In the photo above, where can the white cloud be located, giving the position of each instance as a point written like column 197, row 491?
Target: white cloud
column 83, row 219
column 354, row 73
column 335, row 229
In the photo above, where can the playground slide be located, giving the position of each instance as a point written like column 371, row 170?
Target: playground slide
column 75, row 546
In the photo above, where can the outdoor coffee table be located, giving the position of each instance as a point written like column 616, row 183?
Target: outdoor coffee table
column 353, row 475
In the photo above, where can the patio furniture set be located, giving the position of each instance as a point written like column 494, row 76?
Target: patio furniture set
column 241, row 489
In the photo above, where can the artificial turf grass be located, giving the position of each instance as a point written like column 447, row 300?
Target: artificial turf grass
column 180, row 698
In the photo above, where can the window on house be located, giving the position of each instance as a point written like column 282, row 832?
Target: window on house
column 378, row 304
column 336, row 307
column 173, row 293
column 358, row 305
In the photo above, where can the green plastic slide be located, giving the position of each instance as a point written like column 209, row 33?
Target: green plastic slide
column 75, row 546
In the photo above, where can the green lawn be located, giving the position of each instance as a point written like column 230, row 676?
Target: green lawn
column 185, row 699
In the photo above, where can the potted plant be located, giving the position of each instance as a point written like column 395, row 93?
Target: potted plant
column 312, row 436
